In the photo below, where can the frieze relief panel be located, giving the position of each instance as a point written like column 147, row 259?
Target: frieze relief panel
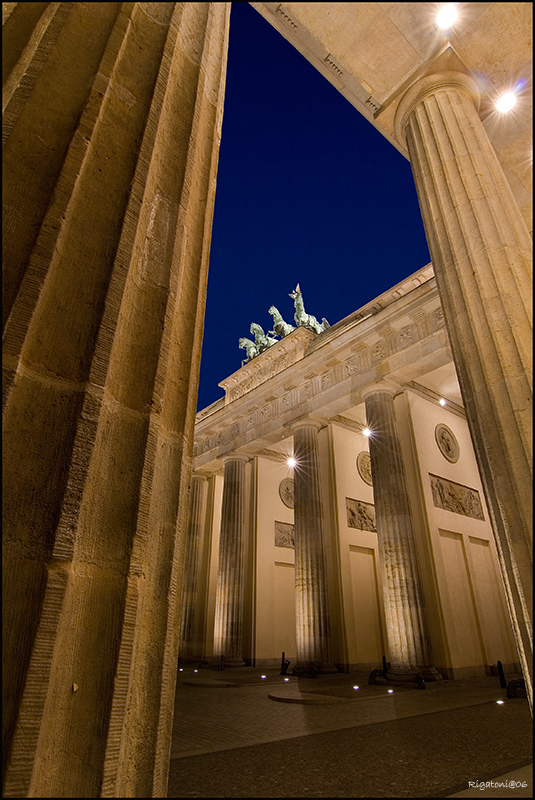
column 456, row 497
column 408, row 335
column 284, row 535
column 360, row 515
column 379, row 351
column 351, row 367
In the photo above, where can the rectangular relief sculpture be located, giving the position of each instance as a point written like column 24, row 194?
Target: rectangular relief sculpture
column 360, row 515
column 284, row 534
column 455, row 497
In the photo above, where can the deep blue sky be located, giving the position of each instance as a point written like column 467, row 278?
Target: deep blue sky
column 308, row 192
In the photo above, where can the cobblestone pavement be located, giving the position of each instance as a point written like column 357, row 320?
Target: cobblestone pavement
column 234, row 741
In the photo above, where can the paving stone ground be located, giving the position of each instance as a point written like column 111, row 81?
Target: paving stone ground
column 234, row 741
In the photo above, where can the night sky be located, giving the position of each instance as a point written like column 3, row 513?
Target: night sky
column 308, row 192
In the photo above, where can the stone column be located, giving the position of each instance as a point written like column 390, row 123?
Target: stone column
column 228, row 633
column 409, row 647
column 103, row 345
column 190, row 646
column 481, row 252
column 311, row 602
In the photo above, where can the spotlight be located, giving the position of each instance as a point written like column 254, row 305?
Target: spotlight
column 355, row 687
column 291, row 462
column 286, row 679
column 506, row 102
column 262, row 676
column 499, row 702
column 366, row 432
column 442, row 401
column 446, row 16
column 390, row 691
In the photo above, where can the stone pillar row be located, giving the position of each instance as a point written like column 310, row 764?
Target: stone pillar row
column 109, row 191
column 481, row 252
column 409, row 646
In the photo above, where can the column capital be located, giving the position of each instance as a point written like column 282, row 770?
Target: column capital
column 308, row 423
column 235, row 457
column 449, row 79
column 201, row 475
column 381, row 386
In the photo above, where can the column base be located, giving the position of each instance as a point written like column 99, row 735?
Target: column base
column 226, row 662
column 310, row 669
column 411, row 674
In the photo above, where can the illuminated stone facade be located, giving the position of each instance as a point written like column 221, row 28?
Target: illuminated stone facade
column 400, row 558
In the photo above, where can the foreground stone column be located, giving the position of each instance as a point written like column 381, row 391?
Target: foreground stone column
column 103, row 347
column 409, row 647
column 481, row 252
column 228, row 633
column 311, row 602
column 190, row 646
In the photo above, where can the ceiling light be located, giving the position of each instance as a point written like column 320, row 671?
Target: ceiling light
column 366, row 432
column 442, row 401
column 447, row 16
column 506, row 102
column 291, row 462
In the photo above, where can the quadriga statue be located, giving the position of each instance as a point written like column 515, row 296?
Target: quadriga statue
column 263, row 341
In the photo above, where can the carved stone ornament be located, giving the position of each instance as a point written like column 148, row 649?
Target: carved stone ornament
column 284, row 534
column 455, row 497
column 364, row 467
column 447, row 443
column 360, row 515
column 286, row 492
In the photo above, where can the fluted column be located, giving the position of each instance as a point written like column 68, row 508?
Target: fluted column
column 228, row 633
column 103, row 345
column 190, row 647
column 409, row 648
column 311, row 602
column 481, row 252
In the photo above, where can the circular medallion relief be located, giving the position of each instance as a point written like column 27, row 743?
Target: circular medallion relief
column 447, row 443
column 364, row 467
column 286, row 491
